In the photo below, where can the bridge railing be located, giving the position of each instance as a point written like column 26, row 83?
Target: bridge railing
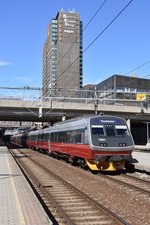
column 108, row 97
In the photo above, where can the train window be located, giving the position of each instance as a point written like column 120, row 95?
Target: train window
column 75, row 136
column 40, row 137
column 110, row 130
column 62, row 136
column 121, row 130
column 45, row 137
column 33, row 137
column 68, row 136
column 78, row 137
column 97, row 130
column 54, row 137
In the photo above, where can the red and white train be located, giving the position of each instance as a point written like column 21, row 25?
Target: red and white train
column 99, row 142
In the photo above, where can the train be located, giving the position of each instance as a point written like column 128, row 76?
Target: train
column 96, row 142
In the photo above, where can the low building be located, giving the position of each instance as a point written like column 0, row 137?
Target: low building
column 124, row 87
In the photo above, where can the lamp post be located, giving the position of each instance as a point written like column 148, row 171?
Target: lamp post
column 95, row 101
column 40, row 108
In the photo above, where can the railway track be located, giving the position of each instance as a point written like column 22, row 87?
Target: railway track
column 64, row 203
column 131, row 182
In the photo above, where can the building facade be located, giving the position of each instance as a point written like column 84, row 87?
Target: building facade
column 120, row 86
column 62, row 55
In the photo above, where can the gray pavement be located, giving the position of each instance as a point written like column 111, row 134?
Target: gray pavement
column 142, row 160
column 18, row 203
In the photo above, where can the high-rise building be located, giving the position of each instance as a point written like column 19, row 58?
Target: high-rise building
column 62, row 54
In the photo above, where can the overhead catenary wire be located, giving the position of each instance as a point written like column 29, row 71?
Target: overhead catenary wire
column 109, row 24
column 138, row 67
column 95, row 14
column 146, row 76
column 101, row 6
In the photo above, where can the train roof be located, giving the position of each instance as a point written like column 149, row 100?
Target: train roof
column 85, row 117
column 75, row 123
column 78, row 122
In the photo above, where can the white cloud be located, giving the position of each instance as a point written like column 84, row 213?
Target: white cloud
column 4, row 63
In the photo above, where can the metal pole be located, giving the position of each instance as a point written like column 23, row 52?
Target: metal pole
column 147, row 128
column 147, row 132
column 95, row 101
column 40, row 108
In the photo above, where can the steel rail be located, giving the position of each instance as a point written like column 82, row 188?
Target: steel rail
column 96, row 204
column 129, row 185
column 41, row 191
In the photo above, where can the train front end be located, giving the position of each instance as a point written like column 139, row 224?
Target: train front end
column 111, row 144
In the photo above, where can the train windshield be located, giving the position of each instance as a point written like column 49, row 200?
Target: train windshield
column 122, row 130
column 97, row 130
column 110, row 130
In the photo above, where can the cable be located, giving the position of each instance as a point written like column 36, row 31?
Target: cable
column 94, row 15
column 138, row 67
column 83, row 29
column 107, row 26
column 98, row 36
column 145, row 76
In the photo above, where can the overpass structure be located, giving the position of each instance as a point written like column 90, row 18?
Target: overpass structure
column 54, row 108
column 27, row 106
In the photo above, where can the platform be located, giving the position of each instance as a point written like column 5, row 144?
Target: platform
column 142, row 147
column 18, row 203
column 142, row 160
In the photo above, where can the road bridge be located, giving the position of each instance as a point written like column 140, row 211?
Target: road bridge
column 55, row 108
column 35, row 108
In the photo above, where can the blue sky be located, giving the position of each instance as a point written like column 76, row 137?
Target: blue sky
column 124, row 46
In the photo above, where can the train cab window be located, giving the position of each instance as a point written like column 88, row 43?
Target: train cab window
column 110, row 130
column 97, row 130
column 121, row 130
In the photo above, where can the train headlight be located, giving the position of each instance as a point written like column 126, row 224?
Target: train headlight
column 122, row 144
column 103, row 144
